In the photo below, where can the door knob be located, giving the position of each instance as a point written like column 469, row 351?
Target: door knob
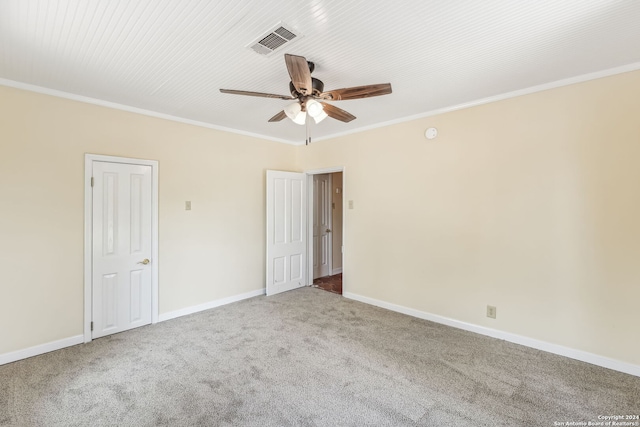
column 327, row 231
column 144, row 261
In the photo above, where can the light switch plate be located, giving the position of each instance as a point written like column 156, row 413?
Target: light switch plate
column 350, row 204
column 187, row 206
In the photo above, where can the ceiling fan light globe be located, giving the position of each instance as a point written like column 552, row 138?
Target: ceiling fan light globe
column 314, row 108
column 293, row 110
column 299, row 118
column 320, row 117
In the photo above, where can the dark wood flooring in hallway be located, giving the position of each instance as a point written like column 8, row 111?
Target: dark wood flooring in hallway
column 330, row 283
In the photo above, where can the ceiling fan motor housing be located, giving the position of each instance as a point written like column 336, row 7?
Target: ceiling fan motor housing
column 316, row 84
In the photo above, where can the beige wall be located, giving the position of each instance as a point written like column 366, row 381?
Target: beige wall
column 214, row 251
column 531, row 204
column 336, row 219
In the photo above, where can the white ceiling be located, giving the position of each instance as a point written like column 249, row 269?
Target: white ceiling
column 172, row 56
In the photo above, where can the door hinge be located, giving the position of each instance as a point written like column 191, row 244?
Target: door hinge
column 92, row 181
column 92, row 326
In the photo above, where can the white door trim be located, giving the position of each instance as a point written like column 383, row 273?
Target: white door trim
column 310, row 218
column 88, row 226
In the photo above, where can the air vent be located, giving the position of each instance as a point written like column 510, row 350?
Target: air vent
column 274, row 39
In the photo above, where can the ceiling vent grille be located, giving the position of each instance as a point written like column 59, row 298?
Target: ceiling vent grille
column 275, row 39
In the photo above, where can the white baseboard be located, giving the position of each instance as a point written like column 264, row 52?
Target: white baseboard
column 336, row 271
column 208, row 305
column 79, row 339
column 560, row 350
column 40, row 349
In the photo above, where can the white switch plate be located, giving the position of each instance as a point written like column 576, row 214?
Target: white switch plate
column 187, row 206
column 350, row 204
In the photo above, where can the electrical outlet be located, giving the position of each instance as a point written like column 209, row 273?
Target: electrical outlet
column 491, row 311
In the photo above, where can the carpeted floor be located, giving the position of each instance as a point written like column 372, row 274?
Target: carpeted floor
column 306, row 358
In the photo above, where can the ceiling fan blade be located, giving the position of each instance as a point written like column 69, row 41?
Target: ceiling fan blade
column 299, row 73
column 357, row 92
column 261, row 94
column 281, row 115
column 337, row 113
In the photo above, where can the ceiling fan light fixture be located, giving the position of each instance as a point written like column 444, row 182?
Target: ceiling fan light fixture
column 295, row 113
column 314, row 108
column 300, row 118
column 320, row 117
column 292, row 110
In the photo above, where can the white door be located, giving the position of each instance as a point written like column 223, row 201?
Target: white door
column 286, row 231
column 121, row 280
column 322, row 210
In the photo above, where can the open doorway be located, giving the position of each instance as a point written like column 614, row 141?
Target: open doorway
column 290, row 245
column 326, row 214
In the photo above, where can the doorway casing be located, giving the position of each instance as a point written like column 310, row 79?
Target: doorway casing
column 310, row 199
column 88, row 234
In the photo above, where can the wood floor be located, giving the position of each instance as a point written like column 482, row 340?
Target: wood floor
column 330, row 283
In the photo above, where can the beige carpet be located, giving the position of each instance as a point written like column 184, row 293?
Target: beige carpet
column 306, row 358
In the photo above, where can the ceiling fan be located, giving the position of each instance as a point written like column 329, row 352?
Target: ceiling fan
column 310, row 95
